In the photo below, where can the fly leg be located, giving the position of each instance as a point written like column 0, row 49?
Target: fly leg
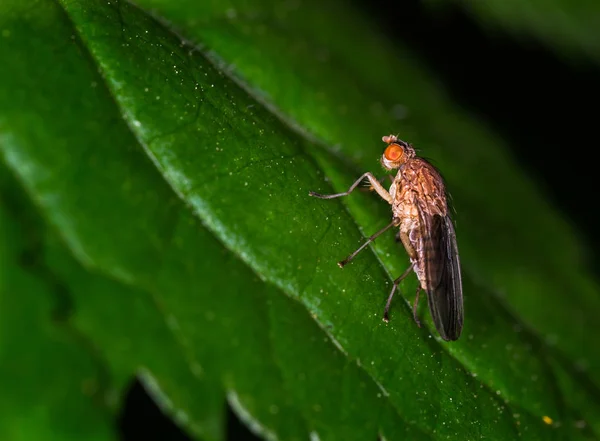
column 413, row 258
column 376, row 185
column 368, row 241
column 396, row 282
column 371, row 188
column 415, row 306
column 372, row 180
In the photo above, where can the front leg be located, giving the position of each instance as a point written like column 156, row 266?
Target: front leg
column 372, row 180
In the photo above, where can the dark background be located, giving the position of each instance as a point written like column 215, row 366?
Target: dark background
column 542, row 104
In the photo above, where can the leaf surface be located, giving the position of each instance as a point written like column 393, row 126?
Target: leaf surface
column 185, row 201
column 35, row 342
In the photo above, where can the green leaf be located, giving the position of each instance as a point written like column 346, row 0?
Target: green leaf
column 202, row 263
column 349, row 100
column 137, row 337
column 35, row 343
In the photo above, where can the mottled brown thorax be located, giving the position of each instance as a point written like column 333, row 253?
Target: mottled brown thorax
column 417, row 179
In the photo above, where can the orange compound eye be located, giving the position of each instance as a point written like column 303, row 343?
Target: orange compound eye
column 393, row 153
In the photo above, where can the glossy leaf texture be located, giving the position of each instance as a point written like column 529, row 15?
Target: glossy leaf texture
column 170, row 181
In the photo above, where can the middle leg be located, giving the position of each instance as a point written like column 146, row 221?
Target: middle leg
column 369, row 240
column 396, row 283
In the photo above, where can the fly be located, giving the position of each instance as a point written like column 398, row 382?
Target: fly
column 420, row 210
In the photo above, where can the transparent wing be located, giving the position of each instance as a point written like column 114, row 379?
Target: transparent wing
column 438, row 255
